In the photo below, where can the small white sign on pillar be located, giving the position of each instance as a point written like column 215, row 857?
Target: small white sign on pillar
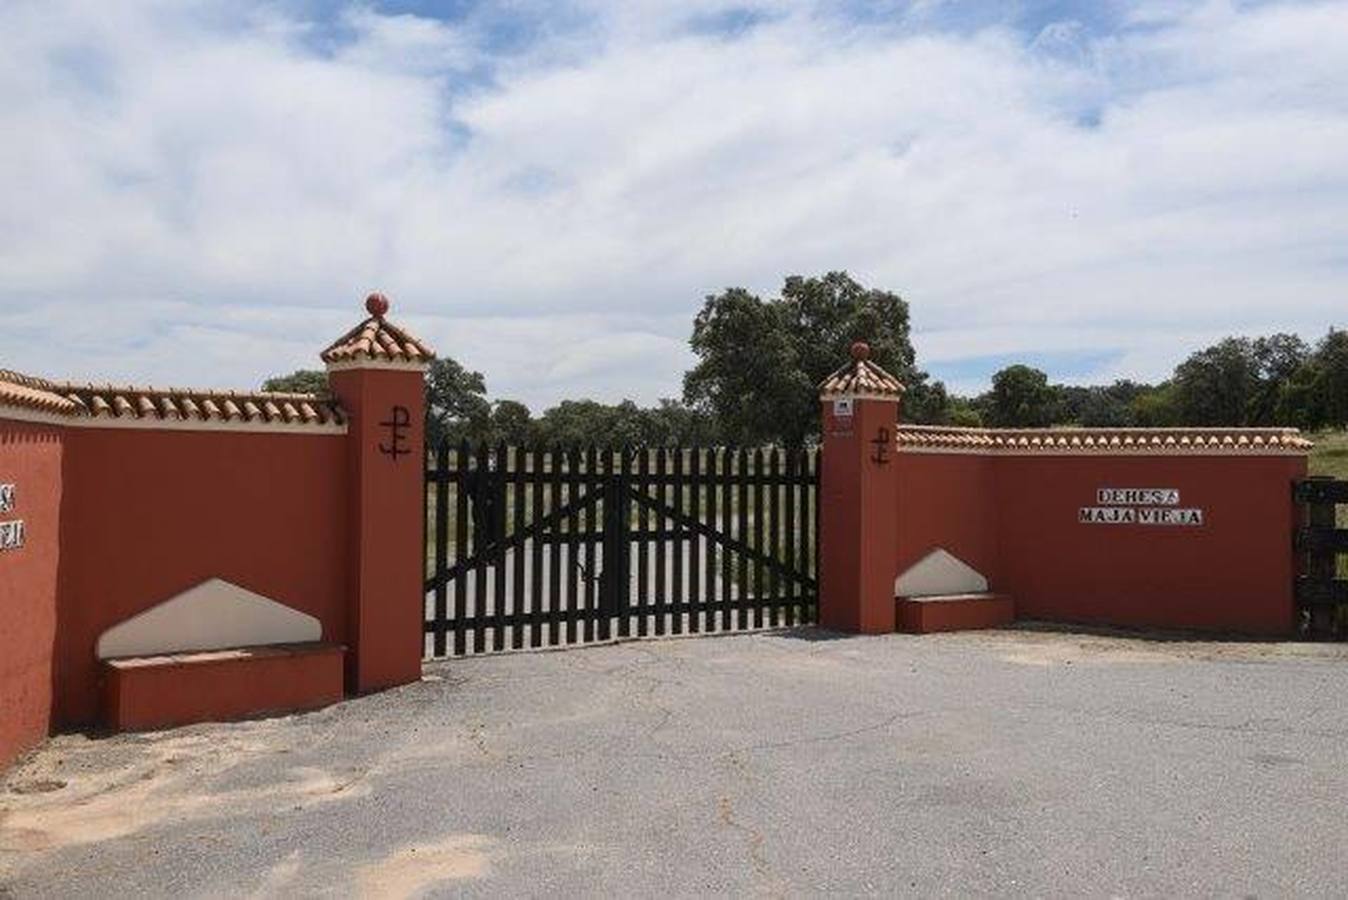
column 840, row 418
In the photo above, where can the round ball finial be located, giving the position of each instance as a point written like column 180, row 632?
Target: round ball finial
column 376, row 305
column 861, row 351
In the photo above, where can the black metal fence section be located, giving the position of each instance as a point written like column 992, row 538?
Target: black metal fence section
column 1321, row 594
column 535, row 548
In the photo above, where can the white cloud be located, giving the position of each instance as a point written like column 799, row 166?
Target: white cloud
column 198, row 194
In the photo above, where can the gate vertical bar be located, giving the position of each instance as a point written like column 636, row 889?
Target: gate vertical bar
column 694, row 511
column 789, row 534
column 774, row 538
column 622, row 517
column 481, row 539
column 555, row 606
column 536, row 550
column 659, row 588
column 742, row 533
column 712, row 514
column 579, row 523
column 441, row 545
column 726, row 525
column 1322, row 564
column 592, row 522
column 760, row 484
column 811, row 530
column 574, row 579
column 519, row 595
column 643, row 524
column 500, row 491
column 609, row 583
column 461, row 549
column 677, row 560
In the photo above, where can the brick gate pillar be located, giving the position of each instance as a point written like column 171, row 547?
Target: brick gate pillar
column 858, row 502
column 378, row 372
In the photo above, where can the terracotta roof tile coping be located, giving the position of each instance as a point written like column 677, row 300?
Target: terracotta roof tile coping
column 149, row 404
column 1102, row 440
column 861, row 378
column 27, row 392
column 377, row 339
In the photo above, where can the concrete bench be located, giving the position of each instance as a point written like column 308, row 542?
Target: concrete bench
column 953, row 612
column 161, row 691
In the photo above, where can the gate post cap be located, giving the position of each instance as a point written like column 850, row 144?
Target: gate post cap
column 861, row 378
column 376, row 342
column 377, row 305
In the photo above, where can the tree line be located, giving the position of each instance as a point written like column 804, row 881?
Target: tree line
column 1278, row 380
column 759, row 362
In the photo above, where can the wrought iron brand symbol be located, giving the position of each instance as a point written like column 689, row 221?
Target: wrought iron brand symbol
column 397, row 424
column 881, row 442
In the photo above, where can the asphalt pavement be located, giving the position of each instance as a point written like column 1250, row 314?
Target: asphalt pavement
column 787, row 764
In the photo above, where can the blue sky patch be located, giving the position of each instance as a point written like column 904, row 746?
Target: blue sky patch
column 1062, row 366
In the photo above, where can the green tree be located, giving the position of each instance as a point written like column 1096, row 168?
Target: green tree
column 759, row 362
column 301, row 381
column 626, row 424
column 456, row 404
column 964, row 413
column 1070, row 402
column 584, row 422
column 1330, row 385
column 1155, row 407
column 511, row 423
column 927, row 403
column 1277, row 360
column 575, row 423
column 675, row 424
column 1316, row 395
column 1020, row 398
column 1216, row 386
column 748, row 375
column 1098, row 406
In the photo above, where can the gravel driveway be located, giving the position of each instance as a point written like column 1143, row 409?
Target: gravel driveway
column 1007, row 762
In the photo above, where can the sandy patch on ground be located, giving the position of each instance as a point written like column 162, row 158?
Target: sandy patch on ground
column 56, row 799
column 1033, row 647
column 411, row 869
column 1070, row 654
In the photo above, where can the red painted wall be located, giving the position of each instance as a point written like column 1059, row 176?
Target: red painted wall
column 858, row 524
column 386, row 586
column 1232, row 573
column 151, row 513
column 944, row 502
column 1015, row 519
column 30, row 459
column 220, row 687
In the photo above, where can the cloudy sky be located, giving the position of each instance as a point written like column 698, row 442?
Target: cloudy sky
column 202, row 191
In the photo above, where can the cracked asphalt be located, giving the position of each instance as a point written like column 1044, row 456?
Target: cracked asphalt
column 1007, row 762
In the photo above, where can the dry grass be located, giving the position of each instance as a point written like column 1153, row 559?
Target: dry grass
column 1330, row 456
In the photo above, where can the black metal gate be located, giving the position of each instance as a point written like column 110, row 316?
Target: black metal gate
column 1322, row 583
column 542, row 548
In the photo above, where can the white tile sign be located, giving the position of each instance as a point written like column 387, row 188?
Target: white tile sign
column 1139, row 506
column 11, row 535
